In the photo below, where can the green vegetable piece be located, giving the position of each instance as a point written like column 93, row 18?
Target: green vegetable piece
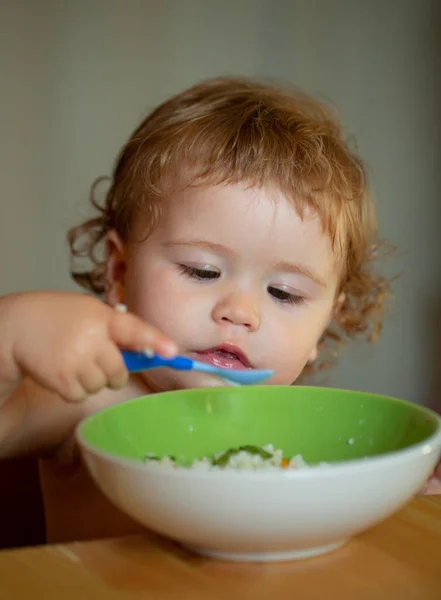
column 257, row 450
column 223, row 459
column 155, row 457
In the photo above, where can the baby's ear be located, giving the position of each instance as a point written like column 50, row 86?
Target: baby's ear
column 314, row 354
column 338, row 304
column 115, row 268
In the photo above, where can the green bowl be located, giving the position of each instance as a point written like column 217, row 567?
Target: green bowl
column 379, row 452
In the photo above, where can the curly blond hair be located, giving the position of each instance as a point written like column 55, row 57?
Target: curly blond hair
column 230, row 130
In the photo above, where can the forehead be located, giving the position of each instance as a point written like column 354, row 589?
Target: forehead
column 261, row 223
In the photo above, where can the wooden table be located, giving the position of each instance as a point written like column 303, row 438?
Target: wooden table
column 400, row 559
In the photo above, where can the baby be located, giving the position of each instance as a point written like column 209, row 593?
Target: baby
column 238, row 229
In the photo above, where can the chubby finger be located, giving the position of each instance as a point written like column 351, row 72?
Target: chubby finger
column 111, row 363
column 68, row 387
column 74, row 394
column 433, row 487
column 130, row 332
column 92, row 379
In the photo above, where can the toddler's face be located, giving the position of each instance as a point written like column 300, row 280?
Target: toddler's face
column 235, row 277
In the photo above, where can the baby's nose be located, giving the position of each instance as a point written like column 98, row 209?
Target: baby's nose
column 237, row 309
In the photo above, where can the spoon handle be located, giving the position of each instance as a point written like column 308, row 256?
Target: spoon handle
column 138, row 361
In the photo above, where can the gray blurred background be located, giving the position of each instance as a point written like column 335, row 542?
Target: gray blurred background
column 78, row 75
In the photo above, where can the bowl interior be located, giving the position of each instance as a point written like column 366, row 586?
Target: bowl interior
column 322, row 424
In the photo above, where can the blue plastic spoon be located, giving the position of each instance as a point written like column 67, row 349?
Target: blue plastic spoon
column 138, row 361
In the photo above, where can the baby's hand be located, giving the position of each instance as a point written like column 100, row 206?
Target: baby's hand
column 433, row 485
column 69, row 343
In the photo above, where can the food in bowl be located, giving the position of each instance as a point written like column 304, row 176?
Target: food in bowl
column 249, row 457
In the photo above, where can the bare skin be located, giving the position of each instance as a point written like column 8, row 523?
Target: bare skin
column 43, row 388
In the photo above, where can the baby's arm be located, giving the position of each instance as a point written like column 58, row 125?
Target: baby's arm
column 55, row 350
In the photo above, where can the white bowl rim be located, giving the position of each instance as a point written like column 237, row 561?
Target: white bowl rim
column 349, row 466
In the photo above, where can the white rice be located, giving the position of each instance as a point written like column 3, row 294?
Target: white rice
column 241, row 461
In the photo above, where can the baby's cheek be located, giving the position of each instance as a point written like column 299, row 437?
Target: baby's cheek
column 287, row 373
column 171, row 306
column 294, row 350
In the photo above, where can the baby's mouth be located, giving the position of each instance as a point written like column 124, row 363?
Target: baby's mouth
column 226, row 356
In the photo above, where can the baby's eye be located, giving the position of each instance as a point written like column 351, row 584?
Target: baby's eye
column 285, row 297
column 200, row 274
